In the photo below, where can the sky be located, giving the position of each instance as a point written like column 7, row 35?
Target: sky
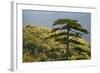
column 46, row 18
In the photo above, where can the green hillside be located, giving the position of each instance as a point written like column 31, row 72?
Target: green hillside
column 38, row 45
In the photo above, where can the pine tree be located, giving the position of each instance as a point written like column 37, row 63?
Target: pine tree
column 68, row 28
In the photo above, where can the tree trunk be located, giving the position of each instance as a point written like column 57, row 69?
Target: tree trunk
column 67, row 49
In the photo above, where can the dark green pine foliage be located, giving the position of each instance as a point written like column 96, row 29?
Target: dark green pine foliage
column 69, row 32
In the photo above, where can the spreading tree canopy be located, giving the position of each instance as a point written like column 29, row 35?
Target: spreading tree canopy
column 69, row 32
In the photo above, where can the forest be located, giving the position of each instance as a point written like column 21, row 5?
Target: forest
column 65, row 41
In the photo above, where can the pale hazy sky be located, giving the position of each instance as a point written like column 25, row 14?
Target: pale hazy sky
column 46, row 18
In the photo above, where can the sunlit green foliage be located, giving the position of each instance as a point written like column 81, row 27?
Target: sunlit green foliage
column 41, row 44
column 61, row 43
